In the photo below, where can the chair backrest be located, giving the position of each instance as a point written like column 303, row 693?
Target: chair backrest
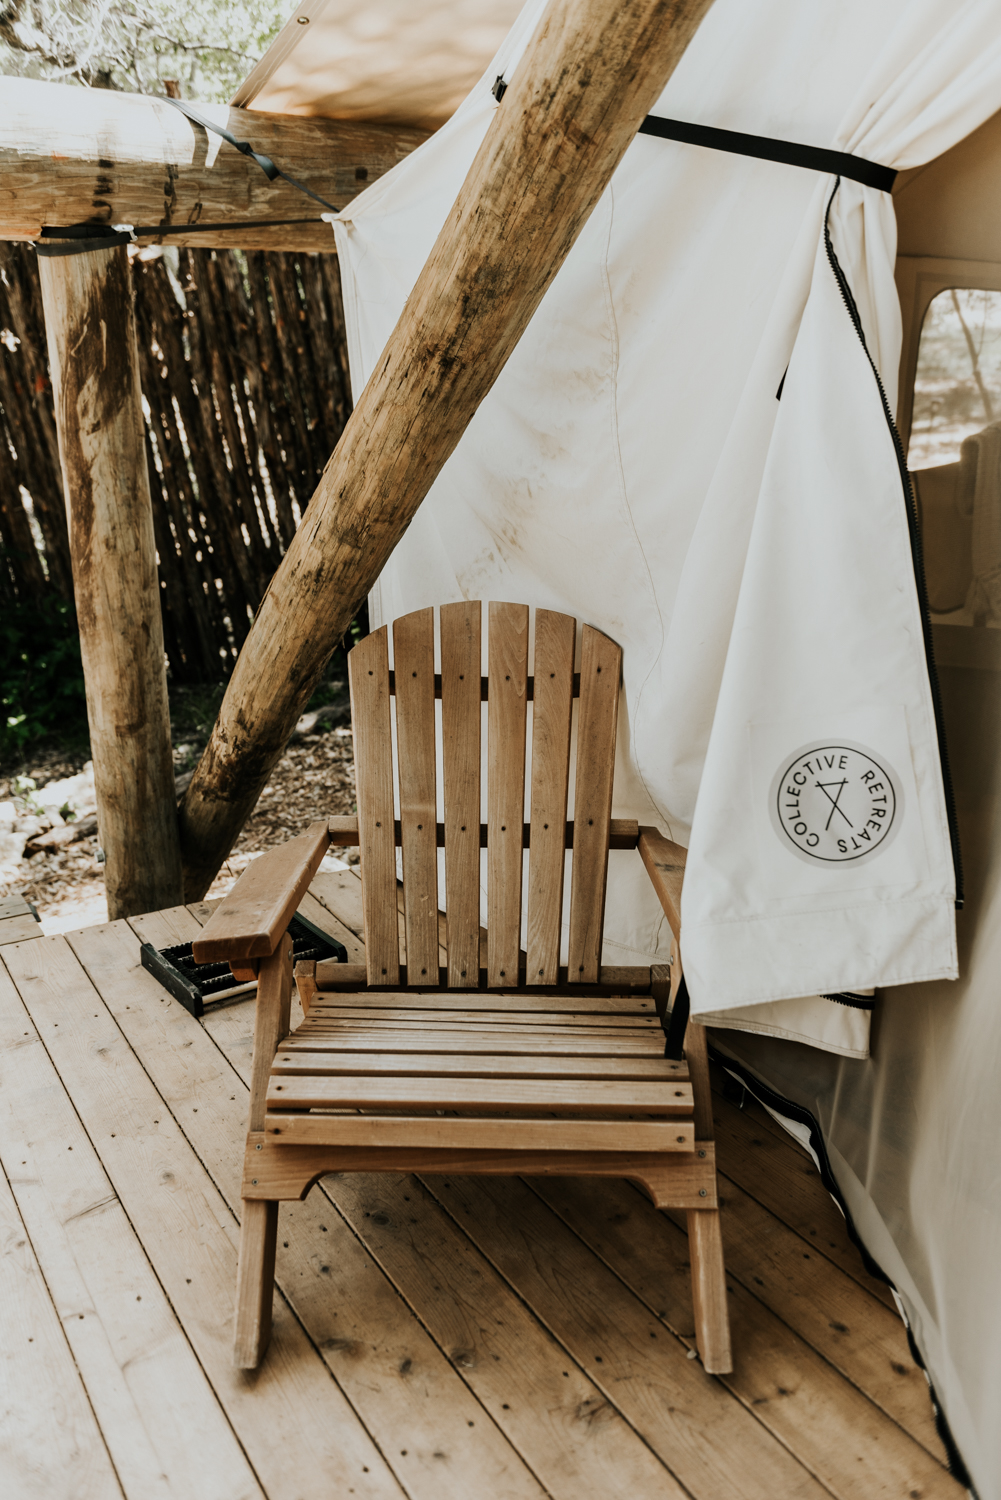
column 507, row 690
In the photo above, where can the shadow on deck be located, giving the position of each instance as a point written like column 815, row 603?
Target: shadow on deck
column 437, row 1338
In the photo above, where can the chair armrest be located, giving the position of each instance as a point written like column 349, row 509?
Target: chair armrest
column 258, row 909
column 665, row 864
column 344, row 831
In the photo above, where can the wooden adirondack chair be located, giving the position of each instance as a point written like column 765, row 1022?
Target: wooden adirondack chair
column 440, row 1064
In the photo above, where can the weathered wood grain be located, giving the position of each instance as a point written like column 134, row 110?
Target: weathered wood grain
column 157, row 1412
column 75, row 156
column 413, row 655
column 91, row 331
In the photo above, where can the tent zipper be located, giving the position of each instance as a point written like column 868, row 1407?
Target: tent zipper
column 917, row 555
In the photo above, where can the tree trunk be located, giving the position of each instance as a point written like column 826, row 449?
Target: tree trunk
column 91, row 329
column 590, row 75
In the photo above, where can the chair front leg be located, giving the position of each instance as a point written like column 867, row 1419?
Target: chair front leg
column 255, row 1277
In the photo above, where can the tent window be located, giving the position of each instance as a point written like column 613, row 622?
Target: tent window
column 955, row 455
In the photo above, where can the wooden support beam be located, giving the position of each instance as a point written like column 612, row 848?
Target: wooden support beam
column 91, row 328
column 590, row 75
column 73, row 156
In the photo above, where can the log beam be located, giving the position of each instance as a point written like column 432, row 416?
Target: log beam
column 74, row 156
column 590, row 75
column 91, row 329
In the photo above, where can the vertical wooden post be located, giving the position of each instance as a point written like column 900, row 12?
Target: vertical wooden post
column 91, row 329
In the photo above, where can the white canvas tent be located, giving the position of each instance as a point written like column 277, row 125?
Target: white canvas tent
column 690, row 449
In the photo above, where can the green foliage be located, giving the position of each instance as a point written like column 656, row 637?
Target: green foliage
column 209, row 46
column 41, row 688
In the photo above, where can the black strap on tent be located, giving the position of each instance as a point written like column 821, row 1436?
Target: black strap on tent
column 80, row 238
column 677, row 1022
column 816, row 158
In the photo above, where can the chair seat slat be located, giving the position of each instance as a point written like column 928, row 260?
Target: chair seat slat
column 493, row 1042
column 471, row 1065
column 457, row 1132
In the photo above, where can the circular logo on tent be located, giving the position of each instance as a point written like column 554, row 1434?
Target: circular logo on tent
column 835, row 802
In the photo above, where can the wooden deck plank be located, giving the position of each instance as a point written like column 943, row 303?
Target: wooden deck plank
column 576, row 1441
column 492, row 1298
column 188, row 1231
column 784, row 1179
column 852, row 1329
column 18, row 929
column 314, row 911
column 161, row 1422
column 404, row 1387
column 340, row 892
column 794, row 1392
column 713, row 1445
column 52, row 1448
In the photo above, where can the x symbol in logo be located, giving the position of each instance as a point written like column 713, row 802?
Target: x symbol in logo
column 823, row 785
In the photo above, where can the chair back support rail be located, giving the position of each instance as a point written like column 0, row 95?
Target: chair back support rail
column 507, row 690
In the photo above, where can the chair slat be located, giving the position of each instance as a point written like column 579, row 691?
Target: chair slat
column 555, row 636
column 368, row 677
column 413, row 653
column 591, row 1096
column 468, row 1065
column 460, row 719
column 508, row 668
column 492, row 1041
column 457, row 1132
column 600, row 668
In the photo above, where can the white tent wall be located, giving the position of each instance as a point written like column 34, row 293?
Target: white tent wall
column 910, row 1134
column 633, row 466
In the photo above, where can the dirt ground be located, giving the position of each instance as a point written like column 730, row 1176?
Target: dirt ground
column 314, row 779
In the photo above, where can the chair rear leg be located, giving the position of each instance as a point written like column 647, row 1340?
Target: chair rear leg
column 255, row 1282
column 712, row 1319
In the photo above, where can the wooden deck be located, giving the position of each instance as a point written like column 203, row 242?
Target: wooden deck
column 438, row 1338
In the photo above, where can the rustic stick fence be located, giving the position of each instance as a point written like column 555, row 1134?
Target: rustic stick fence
column 245, row 383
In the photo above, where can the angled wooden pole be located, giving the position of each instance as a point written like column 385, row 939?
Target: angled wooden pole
column 591, row 73
column 91, row 329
